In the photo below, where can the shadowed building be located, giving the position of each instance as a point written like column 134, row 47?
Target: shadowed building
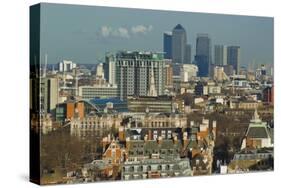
column 203, row 56
column 220, row 55
column 167, row 45
column 178, row 44
column 233, row 57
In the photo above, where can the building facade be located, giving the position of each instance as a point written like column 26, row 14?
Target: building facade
column 220, row 55
column 49, row 95
column 98, row 91
column 90, row 125
column 179, row 42
column 188, row 71
column 169, row 75
column 233, row 57
column 258, row 134
column 167, row 45
column 66, row 66
column 219, row 74
column 133, row 72
column 203, row 54
column 152, row 104
column 187, row 54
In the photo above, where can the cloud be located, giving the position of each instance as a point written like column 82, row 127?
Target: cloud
column 141, row 29
column 107, row 31
column 123, row 32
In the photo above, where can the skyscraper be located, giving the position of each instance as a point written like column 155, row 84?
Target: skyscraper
column 137, row 72
column 202, row 64
column 48, row 95
column 220, row 55
column 178, row 44
column 233, row 57
column 99, row 71
column 188, row 54
column 110, row 69
column 167, row 45
column 203, row 54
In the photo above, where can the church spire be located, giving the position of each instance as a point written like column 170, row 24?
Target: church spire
column 152, row 90
column 256, row 117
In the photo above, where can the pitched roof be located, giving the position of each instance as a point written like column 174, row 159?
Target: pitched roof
column 179, row 26
column 257, row 132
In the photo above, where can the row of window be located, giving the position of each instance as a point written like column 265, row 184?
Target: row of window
column 147, row 168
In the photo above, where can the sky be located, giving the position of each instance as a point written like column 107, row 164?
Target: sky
column 84, row 34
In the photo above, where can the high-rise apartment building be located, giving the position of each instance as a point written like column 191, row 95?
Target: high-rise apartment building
column 134, row 71
column 167, row 45
column 220, row 55
column 233, row 57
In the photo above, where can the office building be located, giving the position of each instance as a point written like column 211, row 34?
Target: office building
column 110, row 69
column 228, row 69
column 69, row 110
column 188, row 71
column 202, row 64
column 154, row 104
column 167, row 45
column 187, row 54
column 220, row 55
column 98, row 91
column 203, row 54
column 233, row 57
column 100, row 71
column 178, row 44
column 49, row 95
column 66, row 66
column 219, row 74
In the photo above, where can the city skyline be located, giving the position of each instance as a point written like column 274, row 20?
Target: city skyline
column 139, row 114
column 80, row 38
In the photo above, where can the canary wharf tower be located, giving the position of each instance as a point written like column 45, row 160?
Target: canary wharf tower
column 179, row 43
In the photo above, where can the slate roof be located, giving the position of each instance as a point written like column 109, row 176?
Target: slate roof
column 165, row 148
column 257, row 132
